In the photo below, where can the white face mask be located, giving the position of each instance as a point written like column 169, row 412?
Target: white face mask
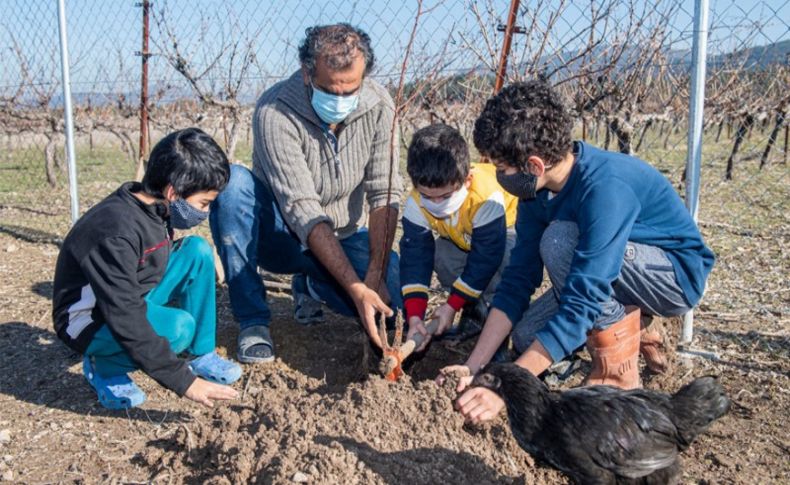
column 448, row 206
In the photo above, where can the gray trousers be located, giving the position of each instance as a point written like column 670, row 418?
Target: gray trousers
column 647, row 280
column 449, row 262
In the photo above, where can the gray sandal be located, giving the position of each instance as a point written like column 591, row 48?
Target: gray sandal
column 255, row 345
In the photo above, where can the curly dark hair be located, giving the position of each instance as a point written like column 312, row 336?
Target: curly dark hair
column 438, row 156
column 524, row 119
column 338, row 45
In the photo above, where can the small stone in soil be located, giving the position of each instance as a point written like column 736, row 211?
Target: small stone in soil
column 8, row 476
column 5, row 436
column 300, row 477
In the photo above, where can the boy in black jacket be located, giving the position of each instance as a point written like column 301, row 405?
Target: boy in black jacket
column 128, row 297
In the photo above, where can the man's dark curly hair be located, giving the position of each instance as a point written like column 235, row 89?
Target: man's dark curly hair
column 524, row 119
column 338, row 45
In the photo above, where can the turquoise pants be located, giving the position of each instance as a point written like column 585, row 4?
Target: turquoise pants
column 181, row 308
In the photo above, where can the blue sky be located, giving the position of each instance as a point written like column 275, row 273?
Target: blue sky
column 104, row 34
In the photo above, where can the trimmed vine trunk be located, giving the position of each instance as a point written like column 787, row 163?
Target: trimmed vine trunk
column 584, row 129
column 647, row 126
column 624, row 131
column 779, row 121
column 743, row 128
column 718, row 132
column 596, row 132
column 50, row 161
column 233, row 136
column 669, row 134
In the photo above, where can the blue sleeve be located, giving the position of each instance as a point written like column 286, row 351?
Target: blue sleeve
column 486, row 254
column 606, row 214
column 524, row 273
column 416, row 262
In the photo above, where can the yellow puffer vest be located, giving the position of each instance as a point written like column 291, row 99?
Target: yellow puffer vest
column 484, row 187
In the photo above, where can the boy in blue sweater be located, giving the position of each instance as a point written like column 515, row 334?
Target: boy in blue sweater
column 473, row 217
column 611, row 232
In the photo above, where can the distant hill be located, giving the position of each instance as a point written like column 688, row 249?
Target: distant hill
column 758, row 57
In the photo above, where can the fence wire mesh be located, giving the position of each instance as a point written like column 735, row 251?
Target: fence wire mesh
column 623, row 65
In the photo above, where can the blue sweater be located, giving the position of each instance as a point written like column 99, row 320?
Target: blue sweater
column 613, row 198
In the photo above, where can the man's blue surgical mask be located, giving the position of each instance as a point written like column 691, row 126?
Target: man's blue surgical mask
column 332, row 108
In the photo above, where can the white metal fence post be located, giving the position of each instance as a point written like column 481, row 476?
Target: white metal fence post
column 696, row 106
column 70, row 156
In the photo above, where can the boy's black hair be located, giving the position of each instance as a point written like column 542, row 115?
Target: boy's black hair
column 438, row 156
column 188, row 159
column 524, row 119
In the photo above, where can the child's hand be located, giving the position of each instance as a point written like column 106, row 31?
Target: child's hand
column 204, row 392
column 446, row 315
column 479, row 404
column 416, row 325
column 462, row 371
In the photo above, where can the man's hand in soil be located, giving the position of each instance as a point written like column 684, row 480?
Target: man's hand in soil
column 205, row 392
column 327, row 249
column 417, row 326
column 369, row 303
column 446, row 316
column 479, row 404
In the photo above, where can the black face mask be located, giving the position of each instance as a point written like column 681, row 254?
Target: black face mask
column 522, row 185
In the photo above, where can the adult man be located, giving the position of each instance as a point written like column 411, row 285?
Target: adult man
column 611, row 232
column 321, row 150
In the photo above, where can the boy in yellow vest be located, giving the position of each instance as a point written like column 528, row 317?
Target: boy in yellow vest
column 474, row 219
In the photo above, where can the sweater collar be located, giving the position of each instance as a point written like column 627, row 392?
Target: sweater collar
column 157, row 211
column 296, row 95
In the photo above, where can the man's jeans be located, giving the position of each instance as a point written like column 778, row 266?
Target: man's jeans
column 647, row 280
column 449, row 262
column 249, row 231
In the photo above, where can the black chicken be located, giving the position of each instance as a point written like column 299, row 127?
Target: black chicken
column 602, row 434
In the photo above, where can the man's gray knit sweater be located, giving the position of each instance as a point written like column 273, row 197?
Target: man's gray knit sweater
column 312, row 183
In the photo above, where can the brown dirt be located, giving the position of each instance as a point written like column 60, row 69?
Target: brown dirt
column 310, row 416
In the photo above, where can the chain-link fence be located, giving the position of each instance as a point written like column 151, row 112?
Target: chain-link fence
column 623, row 65
column 745, row 192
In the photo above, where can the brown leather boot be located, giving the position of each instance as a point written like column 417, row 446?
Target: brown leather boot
column 615, row 353
column 651, row 346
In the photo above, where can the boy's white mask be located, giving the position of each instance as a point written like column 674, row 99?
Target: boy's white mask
column 448, row 206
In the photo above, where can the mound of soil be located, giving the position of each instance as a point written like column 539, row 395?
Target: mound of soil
column 320, row 414
column 297, row 428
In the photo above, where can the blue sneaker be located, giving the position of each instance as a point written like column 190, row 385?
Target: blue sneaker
column 307, row 310
column 116, row 392
column 214, row 368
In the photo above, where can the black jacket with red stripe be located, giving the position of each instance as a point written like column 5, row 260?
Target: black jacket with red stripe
column 113, row 256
